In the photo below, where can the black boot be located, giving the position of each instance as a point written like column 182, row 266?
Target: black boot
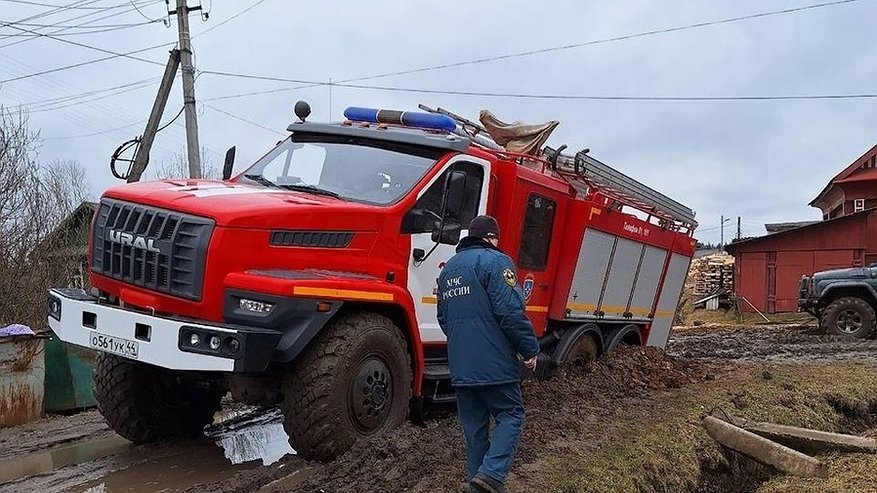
column 486, row 484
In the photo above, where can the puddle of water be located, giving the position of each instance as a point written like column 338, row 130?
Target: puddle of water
column 151, row 472
column 61, row 457
column 252, row 435
column 240, row 437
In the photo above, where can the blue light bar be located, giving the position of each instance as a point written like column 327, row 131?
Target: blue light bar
column 406, row 118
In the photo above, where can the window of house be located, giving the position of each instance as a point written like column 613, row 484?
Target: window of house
column 858, row 205
column 536, row 233
column 422, row 217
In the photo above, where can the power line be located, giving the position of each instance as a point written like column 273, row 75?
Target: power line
column 56, row 10
column 551, row 49
column 39, row 4
column 67, row 137
column 614, row 39
column 140, row 12
column 78, row 26
column 235, row 16
column 65, row 28
column 83, row 45
column 86, row 33
column 71, row 97
column 82, row 64
column 58, row 106
column 166, row 125
column 102, row 132
column 214, row 108
column 566, row 97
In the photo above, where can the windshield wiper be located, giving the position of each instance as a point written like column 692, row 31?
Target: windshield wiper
column 311, row 189
column 262, row 180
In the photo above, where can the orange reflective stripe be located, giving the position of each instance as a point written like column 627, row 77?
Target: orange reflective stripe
column 348, row 294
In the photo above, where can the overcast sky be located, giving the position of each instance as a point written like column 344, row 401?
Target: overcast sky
column 762, row 160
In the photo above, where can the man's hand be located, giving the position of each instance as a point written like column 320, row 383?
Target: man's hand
column 530, row 363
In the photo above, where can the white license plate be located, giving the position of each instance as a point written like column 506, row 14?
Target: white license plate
column 115, row 345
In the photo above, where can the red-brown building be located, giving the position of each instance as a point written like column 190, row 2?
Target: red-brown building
column 768, row 269
column 853, row 190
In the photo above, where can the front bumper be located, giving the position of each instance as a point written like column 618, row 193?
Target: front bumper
column 78, row 318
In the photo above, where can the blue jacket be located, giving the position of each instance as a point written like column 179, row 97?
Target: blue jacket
column 481, row 311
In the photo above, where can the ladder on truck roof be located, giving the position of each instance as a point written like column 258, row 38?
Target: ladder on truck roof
column 600, row 175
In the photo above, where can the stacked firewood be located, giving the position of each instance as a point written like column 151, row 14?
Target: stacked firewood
column 711, row 273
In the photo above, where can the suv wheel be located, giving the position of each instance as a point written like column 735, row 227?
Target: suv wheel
column 849, row 317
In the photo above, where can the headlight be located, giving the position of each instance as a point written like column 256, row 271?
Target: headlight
column 253, row 306
column 55, row 307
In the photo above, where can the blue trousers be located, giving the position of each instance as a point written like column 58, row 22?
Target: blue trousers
column 475, row 406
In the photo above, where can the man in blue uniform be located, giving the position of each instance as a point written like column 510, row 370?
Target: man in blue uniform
column 481, row 311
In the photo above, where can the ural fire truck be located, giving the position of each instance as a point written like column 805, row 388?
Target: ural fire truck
column 309, row 281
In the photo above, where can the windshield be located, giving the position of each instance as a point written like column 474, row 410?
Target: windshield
column 364, row 170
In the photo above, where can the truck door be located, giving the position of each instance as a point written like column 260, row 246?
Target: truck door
column 418, row 222
column 538, row 220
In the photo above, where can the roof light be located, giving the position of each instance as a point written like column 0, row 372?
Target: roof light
column 406, row 118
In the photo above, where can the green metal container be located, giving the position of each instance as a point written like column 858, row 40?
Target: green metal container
column 69, row 374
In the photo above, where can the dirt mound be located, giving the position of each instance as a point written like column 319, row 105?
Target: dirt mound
column 560, row 413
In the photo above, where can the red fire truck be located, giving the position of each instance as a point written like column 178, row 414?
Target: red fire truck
column 309, row 280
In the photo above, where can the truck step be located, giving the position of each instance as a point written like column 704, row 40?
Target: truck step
column 440, row 399
column 437, row 382
column 436, row 371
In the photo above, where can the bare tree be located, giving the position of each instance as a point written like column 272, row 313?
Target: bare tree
column 34, row 200
column 178, row 167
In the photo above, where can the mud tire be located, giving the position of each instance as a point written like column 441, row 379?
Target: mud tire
column 582, row 352
column 321, row 415
column 146, row 403
column 849, row 317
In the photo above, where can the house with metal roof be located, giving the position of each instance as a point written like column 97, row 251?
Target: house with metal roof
column 768, row 269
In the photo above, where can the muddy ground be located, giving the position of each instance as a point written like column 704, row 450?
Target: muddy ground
column 570, row 416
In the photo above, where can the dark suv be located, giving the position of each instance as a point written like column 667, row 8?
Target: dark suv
column 843, row 300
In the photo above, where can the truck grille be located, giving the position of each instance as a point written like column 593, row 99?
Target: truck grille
column 150, row 247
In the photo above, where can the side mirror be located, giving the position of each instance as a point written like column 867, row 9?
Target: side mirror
column 229, row 163
column 446, row 232
column 455, row 191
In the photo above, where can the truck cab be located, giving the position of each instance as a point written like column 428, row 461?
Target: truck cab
column 309, row 280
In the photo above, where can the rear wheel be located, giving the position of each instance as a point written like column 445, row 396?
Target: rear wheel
column 582, row 352
column 353, row 381
column 146, row 403
column 849, row 317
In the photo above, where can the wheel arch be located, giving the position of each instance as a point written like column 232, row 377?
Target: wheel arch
column 630, row 334
column 572, row 335
column 847, row 289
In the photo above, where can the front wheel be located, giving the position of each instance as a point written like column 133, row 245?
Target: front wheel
column 145, row 403
column 849, row 317
column 353, row 381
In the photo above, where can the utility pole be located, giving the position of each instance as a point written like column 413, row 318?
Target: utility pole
column 192, row 146
column 164, row 90
column 722, row 228
column 738, row 227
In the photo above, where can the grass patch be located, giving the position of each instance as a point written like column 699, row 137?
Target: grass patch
column 848, row 473
column 662, row 447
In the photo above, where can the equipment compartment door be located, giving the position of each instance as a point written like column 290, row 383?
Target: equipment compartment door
column 418, row 222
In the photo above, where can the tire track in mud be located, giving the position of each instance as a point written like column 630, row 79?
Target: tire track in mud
column 769, row 343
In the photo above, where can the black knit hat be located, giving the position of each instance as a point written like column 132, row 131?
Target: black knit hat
column 484, row 227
